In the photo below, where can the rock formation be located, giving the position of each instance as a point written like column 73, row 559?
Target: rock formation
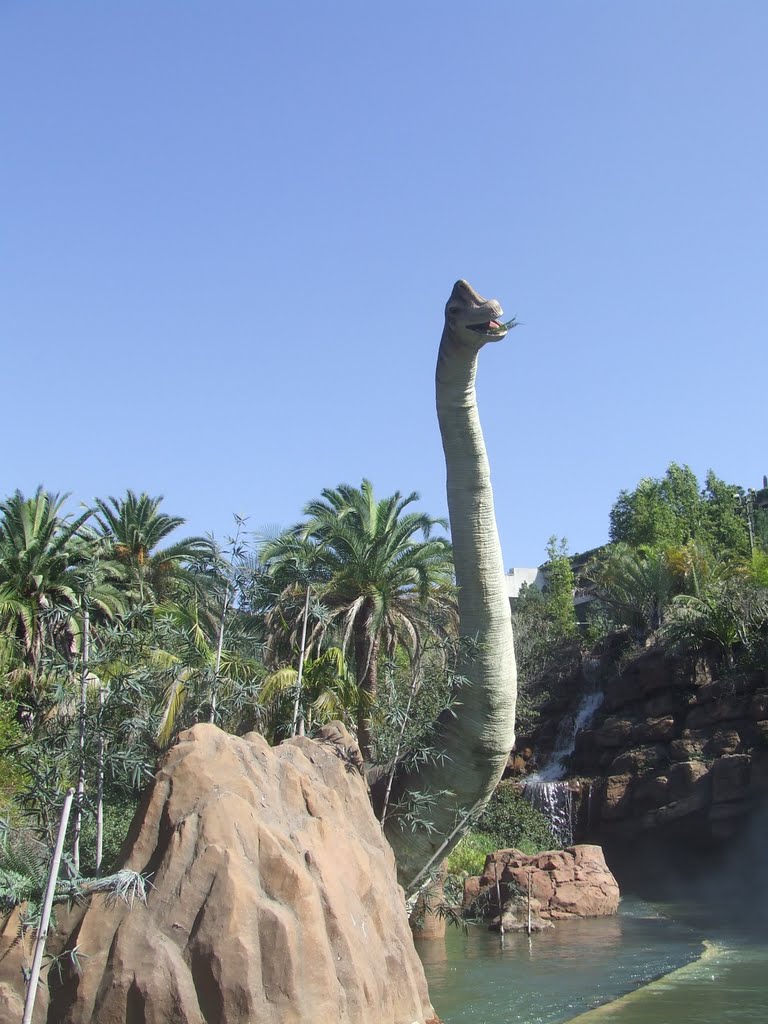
column 677, row 752
column 567, row 883
column 274, row 898
column 677, row 755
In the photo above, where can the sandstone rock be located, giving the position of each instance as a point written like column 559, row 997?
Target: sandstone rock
column 638, row 759
column 274, row 900
column 515, row 915
column 654, row 730
column 686, row 776
column 649, row 792
column 730, row 777
column 616, row 801
column 689, row 747
column 691, row 804
column 723, row 710
column 614, row 732
column 722, row 741
column 567, row 883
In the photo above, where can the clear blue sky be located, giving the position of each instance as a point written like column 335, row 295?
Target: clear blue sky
column 229, row 230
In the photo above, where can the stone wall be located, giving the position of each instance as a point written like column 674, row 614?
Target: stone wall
column 676, row 748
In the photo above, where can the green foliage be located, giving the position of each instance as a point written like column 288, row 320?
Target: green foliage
column 546, row 640
column 468, row 856
column 636, row 585
column 672, row 511
column 380, row 585
column 559, row 589
column 119, row 811
column 513, row 822
column 729, row 612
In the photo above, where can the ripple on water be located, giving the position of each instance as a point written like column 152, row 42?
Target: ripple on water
column 557, row 974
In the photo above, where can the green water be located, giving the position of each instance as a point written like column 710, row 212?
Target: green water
column 579, row 965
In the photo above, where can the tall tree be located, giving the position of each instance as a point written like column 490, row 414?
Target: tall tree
column 671, row 511
column 136, row 528
column 38, row 591
column 378, row 571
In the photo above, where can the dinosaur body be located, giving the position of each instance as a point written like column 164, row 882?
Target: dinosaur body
column 477, row 740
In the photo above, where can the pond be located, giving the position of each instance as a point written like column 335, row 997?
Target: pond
column 562, row 973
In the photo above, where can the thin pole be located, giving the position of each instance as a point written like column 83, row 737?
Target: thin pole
column 45, row 916
column 100, row 784
column 498, row 900
column 529, row 900
column 85, row 657
column 297, row 724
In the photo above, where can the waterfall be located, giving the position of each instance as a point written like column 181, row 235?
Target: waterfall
column 555, row 800
column 546, row 790
column 565, row 744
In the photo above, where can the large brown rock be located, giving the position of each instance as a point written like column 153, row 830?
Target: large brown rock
column 274, row 898
column 575, row 882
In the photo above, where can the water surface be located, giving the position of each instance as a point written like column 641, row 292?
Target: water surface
column 558, row 974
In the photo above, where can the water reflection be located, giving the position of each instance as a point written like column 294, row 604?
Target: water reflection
column 555, row 974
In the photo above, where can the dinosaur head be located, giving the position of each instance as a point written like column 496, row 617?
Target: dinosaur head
column 473, row 320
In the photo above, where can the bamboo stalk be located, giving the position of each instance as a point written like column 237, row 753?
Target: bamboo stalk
column 85, row 655
column 298, row 719
column 45, row 914
column 100, row 784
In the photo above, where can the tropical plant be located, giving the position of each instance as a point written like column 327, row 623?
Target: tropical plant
column 380, row 584
column 38, row 594
column 135, row 527
column 328, row 692
column 636, row 585
column 728, row 611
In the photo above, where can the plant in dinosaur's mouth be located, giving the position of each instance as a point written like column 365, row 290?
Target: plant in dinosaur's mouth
column 493, row 328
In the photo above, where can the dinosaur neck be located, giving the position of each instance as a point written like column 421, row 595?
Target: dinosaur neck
column 483, row 602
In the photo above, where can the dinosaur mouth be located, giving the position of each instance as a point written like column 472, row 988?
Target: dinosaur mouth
column 491, row 328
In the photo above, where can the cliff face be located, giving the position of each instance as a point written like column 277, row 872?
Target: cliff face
column 274, row 898
column 676, row 751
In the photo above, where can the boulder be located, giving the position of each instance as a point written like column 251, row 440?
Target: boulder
column 274, row 898
column 685, row 777
column 616, row 800
column 653, row 730
column 730, row 777
column 574, row 882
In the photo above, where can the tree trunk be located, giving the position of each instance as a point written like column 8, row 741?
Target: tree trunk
column 476, row 741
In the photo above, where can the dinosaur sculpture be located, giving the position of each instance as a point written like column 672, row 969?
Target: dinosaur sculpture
column 478, row 739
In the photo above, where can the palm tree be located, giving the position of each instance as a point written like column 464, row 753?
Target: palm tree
column 38, row 588
column 136, row 528
column 637, row 584
column 380, row 584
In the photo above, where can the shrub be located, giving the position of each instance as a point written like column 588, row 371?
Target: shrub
column 512, row 822
column 468, row 856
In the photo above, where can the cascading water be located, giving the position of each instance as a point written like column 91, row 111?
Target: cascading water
column 546, row 790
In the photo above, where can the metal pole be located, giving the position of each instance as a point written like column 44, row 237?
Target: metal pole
column 45, row 915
